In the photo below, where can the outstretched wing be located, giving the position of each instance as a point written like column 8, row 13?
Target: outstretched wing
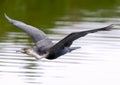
column 68, row 40
column 39, row 37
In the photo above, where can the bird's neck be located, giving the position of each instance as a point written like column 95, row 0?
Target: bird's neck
column 37, row 55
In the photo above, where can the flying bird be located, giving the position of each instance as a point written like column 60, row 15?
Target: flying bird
column 45, row 48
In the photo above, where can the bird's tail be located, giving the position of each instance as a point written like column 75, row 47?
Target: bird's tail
column 73, row 48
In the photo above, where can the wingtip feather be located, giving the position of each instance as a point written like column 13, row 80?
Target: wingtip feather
column 108, row 27
column 8, row 18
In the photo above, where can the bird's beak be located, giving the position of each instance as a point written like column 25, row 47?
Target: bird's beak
column 20, row 51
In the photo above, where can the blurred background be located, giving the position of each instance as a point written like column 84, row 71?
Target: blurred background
column 95, row 63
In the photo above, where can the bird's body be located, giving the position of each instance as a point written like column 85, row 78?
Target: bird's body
column 45, row 48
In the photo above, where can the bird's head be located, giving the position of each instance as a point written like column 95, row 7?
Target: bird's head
column 27, row 51
column 31, row 52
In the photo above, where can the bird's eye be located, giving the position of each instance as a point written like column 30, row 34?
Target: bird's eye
column 45, row 52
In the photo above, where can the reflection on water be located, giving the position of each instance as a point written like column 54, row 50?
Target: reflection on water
column 95, row 63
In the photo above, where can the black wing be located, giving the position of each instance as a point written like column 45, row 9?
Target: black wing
column 39, row 37
column 68, row 40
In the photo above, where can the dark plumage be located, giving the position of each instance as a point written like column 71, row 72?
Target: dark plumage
column 44, row 46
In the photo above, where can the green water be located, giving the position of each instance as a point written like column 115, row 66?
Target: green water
column 45, row 13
